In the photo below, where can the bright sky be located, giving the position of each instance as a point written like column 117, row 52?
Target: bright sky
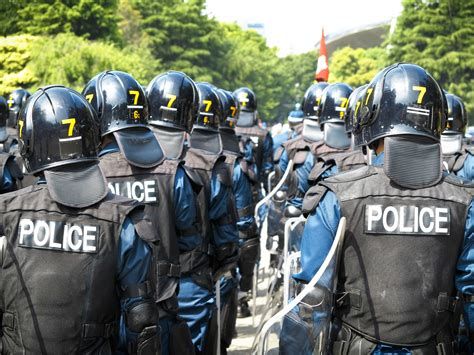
column 295, row 25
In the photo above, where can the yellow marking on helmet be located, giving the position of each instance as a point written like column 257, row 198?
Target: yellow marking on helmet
column 344, row 102
column 89, row 97
column 369, row 92
column 233, row 109
column 71, row 122
column 422, row 90
column 20, row 123
column 10, row 101
column 208, row 104
column 243, row 98
column 172, row 99
column 135, row 93
column 357, row 108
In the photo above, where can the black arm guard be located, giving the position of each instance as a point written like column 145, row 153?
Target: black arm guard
column 142, row 318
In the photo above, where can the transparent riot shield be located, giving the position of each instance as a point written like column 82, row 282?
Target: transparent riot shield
column 302, row 326
column 281, row 285
column 291, row 255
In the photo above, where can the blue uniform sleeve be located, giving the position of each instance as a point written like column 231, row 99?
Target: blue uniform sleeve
column 185, row 210
column 268, row 153
column 7, row 180
column 220, row 195
column 318, row 236
column 133, row 265
column 242, row 190
column 465, row 269
column 467, row 171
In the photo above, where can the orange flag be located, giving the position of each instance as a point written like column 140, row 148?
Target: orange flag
column 322, row 69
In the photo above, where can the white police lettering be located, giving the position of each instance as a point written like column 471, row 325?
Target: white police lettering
column 403, row 219
column 53, row 235
column 142, row 191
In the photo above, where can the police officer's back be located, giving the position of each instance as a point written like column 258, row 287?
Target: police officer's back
column 408, row 240
column 257, row 142
column 135, row 166
column 457, row 158
column 72, row 259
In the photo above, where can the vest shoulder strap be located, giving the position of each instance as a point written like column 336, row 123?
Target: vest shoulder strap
column 312, row 198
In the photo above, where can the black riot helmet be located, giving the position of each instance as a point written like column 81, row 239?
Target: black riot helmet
column 355, row 101
column 246, row 98
column 402, row 99
column 56, row 127
column 210, row 113
column 333, row 104
column 230, row 109
column 173, row 100
column 16, row 101
column 457, row 117
column 119, row 100
column 312, row 99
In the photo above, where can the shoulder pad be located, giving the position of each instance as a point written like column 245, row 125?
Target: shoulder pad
column 457, row 181
column 470, row 150
column 143, row 225
column 194, row 177
column 312, row 198
column 353, row 175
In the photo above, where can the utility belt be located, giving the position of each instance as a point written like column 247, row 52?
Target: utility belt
column 196, row 259
column 348, row 341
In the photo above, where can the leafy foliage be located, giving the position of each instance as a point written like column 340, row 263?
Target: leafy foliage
column 358, row 66
column 33, row 61
column 439, row 36
column 69, row 41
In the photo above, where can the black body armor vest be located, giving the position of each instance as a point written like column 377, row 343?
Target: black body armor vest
column 155, row 188
column 328, row 157
column 396, row 278
column 200, row 166
column 297, row 149
column 59, row 291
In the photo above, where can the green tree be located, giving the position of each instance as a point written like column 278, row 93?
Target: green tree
column 92, row 19
column 356, row 66
column 33, row 61
column 15, row 54
column 73, row 61
column 182, row 37
column 439, row 36
column 298, row 74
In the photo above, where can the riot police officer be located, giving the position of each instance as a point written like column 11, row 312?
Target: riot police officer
column 135, row 166
column 10, row 173
column 249, row 242
column 16, row 100
column 457, row 159
column 404, row 226
column 257, row 142
column 68, row 243
column 219, row 251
